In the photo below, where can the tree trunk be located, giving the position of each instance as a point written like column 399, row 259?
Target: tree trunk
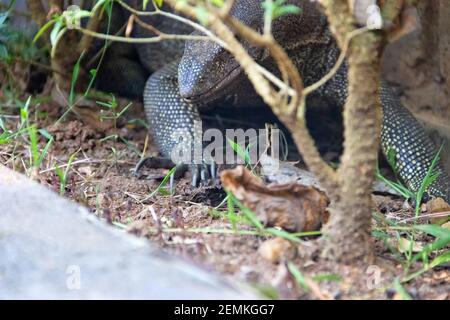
column 348, row 232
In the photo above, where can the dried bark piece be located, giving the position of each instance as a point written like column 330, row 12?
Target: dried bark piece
column 293, row 207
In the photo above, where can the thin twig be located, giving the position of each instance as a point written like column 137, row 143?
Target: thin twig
column 142, row 40
column 191, row 23
column 147, row 26
column 429, row 215
column 338, row 63
column 38, row 65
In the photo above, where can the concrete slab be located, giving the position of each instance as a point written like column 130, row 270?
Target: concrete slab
column 53, row 248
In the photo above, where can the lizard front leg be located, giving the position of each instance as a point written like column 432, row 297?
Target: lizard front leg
column 175, row 124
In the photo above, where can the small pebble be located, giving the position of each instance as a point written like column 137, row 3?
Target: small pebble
column 275, row 250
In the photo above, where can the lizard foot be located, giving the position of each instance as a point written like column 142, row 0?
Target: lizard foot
column 202, row 174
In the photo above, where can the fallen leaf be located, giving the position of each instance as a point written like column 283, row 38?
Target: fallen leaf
column 404, row 245
column 446, row 225
column 293, row 207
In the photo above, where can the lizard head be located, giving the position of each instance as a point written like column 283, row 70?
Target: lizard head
column 208, row 71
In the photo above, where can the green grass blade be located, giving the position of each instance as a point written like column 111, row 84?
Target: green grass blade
column 75, row 74
column 283, row 234
column 298, row 276
column 434, row 230
column 401, row 291
column 163, row 182
column 429, row 178
column 43, row 29
column 230, row 210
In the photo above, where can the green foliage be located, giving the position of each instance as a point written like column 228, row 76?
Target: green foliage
column 144, row 4
column 202, row 15
column 161, row 188
column 217, row 3
column 63, row 175
column 243, row 154
column 277, row 8
column 231, row 214
column 69, row 19
column 158, row 3
column 298, row 276
column 248, row 214
column 397, row 186
column 111, row 113
column 72, row 18
column 75, row 74
column 442, row 240
column 401, row 291
column 430, row 177
column 329, row 277
column 108, row 7
column 442, row 236
column 267, row 291
column 36, row 155
column 3, row 35
column 15, row 43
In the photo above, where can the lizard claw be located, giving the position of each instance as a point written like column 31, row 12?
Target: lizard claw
column 158, row 163
column 202, row 174
column 152, row 162
column 213, row 170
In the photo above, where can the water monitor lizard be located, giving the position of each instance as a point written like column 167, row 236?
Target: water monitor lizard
column 206, row 73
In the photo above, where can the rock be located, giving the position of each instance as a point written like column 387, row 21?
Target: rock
column 52, row 248
column 438, row 205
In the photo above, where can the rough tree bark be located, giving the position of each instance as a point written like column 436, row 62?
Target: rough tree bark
column 348, row 233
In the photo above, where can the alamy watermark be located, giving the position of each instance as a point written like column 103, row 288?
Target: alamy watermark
column 373, row 280
column 223, row 146
column 73, row 280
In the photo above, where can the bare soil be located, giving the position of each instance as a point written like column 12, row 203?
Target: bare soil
column 101, row 179
column 186, row 223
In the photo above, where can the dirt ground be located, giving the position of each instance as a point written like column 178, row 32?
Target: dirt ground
column 186, row 224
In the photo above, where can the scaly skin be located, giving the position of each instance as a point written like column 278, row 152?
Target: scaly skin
column 207, row 73
column 125, row 67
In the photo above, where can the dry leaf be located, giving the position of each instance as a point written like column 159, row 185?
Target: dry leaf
column 404, row 245
column 293, row 207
